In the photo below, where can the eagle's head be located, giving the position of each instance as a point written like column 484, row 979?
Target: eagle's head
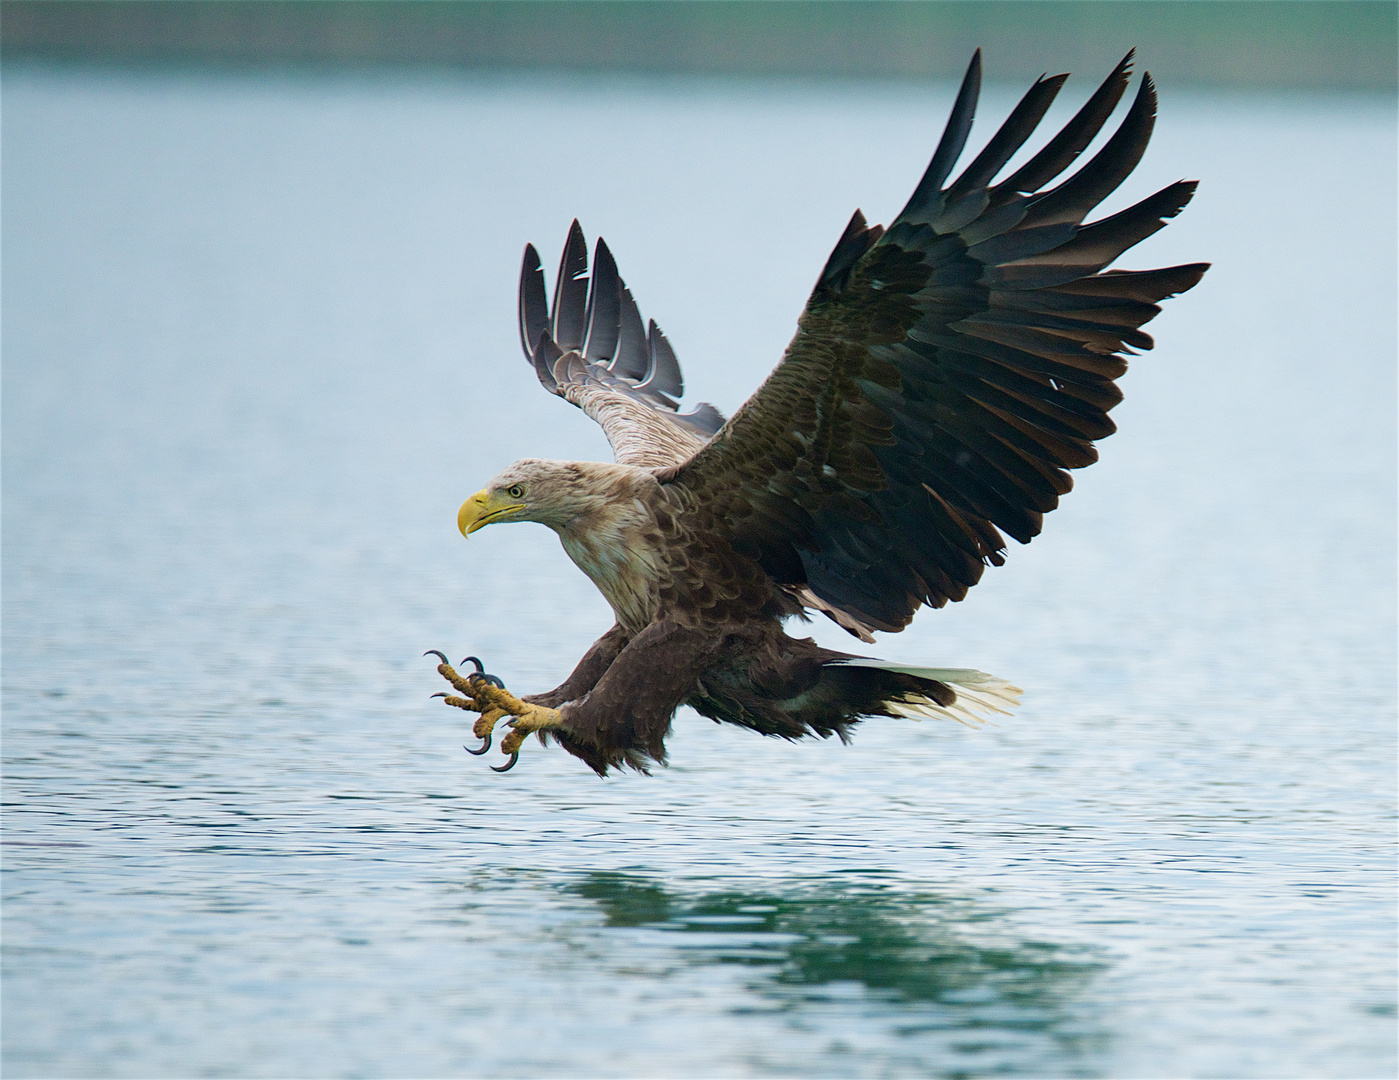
column 553, row 493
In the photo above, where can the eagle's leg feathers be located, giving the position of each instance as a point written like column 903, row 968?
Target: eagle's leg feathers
column 590, row 669
column 486, row 695
column 624, row 718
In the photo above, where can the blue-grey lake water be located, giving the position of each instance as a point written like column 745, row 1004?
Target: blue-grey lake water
column 259, row 344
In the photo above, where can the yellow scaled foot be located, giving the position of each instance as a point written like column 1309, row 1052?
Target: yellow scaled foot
column 485, row 695
column 534, row 718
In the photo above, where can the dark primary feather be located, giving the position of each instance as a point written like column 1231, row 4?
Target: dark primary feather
column 604, row 307
column 1059, row 153
column 534, row 301
column 947, row 372
column 1075, row 197
column 954, row 139
column 1019, row 126
column 568, row 319
column 663, row 372
column 632, row 357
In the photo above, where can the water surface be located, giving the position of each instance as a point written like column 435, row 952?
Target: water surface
column 259, row 344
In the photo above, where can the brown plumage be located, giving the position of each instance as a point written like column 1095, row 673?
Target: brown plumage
column 945, row 375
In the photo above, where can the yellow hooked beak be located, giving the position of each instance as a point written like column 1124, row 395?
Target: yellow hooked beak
column 482, row 509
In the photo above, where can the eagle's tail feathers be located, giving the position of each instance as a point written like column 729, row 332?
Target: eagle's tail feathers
column 978, row 695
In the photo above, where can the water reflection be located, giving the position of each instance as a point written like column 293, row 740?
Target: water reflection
column 944, row 962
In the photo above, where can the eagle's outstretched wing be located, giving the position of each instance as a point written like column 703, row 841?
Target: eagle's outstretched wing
column 947, row 372
column 590, row 349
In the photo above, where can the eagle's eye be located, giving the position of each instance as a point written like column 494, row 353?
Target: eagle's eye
column 516, row 491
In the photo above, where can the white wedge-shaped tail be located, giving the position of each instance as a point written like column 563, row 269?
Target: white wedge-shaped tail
column 978, row 694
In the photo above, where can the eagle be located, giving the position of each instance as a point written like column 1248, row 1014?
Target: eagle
column 946, row 374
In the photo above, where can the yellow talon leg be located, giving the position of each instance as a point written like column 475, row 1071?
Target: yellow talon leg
column 487, row 722
column 450, row 674
column 538, row 718
column 528, row 717
column 469, row 686
column 494, row 703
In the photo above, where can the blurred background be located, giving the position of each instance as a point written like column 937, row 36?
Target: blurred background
column 259, row 282
column 1341, row 44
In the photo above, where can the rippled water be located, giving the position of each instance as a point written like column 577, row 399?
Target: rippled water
column 259, row 343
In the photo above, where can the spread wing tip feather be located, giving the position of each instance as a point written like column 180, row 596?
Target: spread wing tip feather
column 590, row 345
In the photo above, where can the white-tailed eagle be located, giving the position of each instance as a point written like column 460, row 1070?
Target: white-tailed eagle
column 946, row 374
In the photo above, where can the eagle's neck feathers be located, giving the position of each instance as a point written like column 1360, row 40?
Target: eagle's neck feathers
column 615, row 541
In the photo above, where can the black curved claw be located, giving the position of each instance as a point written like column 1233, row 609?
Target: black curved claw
column 484, row 746
column 508, row 765
column 481, row 672
column 440, row 693
column 434, row 652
